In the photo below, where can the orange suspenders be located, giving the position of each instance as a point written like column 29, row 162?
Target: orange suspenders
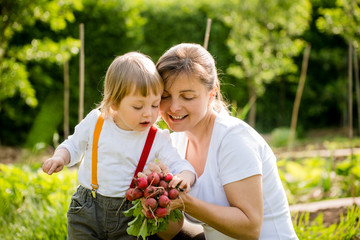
column 142, row 161
column 97, row 131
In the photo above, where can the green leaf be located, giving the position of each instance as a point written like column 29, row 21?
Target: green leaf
column 134, row 228
column 131, row 212
column 143, row 230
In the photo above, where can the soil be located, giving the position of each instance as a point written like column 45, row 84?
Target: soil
column 9, row 155
column 331, row 209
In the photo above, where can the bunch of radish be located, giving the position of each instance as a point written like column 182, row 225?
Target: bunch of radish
column 151, row 199
column 154, row 192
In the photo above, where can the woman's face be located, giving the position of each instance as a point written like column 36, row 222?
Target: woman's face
column 184, row 103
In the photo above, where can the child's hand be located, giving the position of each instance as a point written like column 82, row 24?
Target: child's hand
column 53, row 165
column 185, row 179
column 57, row 162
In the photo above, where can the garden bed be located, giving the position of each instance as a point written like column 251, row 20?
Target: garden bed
column 331, row 209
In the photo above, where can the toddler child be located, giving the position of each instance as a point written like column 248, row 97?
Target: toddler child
column 111, row 150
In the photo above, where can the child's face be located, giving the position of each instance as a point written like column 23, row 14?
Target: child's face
column 136, row 112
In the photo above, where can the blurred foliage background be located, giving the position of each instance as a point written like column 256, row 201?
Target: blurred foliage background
column 258, row 47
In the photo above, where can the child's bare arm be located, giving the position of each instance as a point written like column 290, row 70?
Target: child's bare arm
column 57, row 162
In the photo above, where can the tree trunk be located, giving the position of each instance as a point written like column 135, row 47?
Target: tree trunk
column 351, row 117
column 357, row 86
column 252, row 112
column 299, row 92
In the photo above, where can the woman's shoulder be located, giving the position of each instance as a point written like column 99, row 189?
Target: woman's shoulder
column 232, row 127
column 227, row 123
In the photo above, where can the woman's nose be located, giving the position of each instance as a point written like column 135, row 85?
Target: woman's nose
column 175, row 105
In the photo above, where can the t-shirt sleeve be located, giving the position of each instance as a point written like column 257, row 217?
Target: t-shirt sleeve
column 170, row 156
column 77, row 142
column 239, row 156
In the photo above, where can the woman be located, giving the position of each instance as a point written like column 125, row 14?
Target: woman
column 238, row 193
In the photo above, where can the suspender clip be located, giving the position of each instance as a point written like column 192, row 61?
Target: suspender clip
column 93, row 191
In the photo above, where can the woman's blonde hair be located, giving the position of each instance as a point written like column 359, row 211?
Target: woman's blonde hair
column 194, row 61
column 130, row 72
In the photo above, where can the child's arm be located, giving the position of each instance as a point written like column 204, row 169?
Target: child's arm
column 57, row 162
column 185, row 178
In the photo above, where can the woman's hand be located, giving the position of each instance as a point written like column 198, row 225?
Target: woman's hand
column 178, row 203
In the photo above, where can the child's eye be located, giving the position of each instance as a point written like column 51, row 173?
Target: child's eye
column 164, row 96
column 137, row 107
column 155, row 106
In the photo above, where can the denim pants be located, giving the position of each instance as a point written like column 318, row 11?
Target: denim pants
column 97, row 218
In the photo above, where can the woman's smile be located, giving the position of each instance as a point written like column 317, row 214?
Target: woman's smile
column 173, row 117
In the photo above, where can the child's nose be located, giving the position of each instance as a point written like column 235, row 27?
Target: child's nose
column 147, row 112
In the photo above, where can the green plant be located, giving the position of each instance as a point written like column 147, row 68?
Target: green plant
column 34, row 204
column 280, row 136
column 348, row 227
column 318, row 178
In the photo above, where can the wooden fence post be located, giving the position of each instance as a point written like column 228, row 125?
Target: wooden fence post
column 207, row 33
column 66, row 99
column 82, row 74
column 299, row 92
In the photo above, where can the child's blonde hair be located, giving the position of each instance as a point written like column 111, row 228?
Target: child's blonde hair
column 130, row 72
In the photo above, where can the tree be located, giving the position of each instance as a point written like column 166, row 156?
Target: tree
column 264, row 38
column 18, row 49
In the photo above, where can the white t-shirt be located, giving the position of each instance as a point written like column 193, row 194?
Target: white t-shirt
column 119, row 152
column 236, row 152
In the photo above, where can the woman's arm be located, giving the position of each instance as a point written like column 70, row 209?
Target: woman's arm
column 243, row 219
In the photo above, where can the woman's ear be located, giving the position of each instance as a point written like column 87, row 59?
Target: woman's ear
column 213, row 93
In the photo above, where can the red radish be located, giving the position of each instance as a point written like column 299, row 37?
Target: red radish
column 168, row 177
column 151, row 203
column 150, row 191
column 161, row 212
column 153, row 179
column 149, row 214
column 161, row 176
column 164, row 201
column 137, row 193
column 173, row 193
column 163, row 184
column 160, row 191
column 129, row 194
column 141, row 182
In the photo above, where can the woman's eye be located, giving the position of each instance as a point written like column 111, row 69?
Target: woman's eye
column 165, row 97
column 155, row 106
column 188, row 97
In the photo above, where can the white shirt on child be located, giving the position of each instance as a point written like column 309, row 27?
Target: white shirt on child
column 237, row 152
column 119, row 152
